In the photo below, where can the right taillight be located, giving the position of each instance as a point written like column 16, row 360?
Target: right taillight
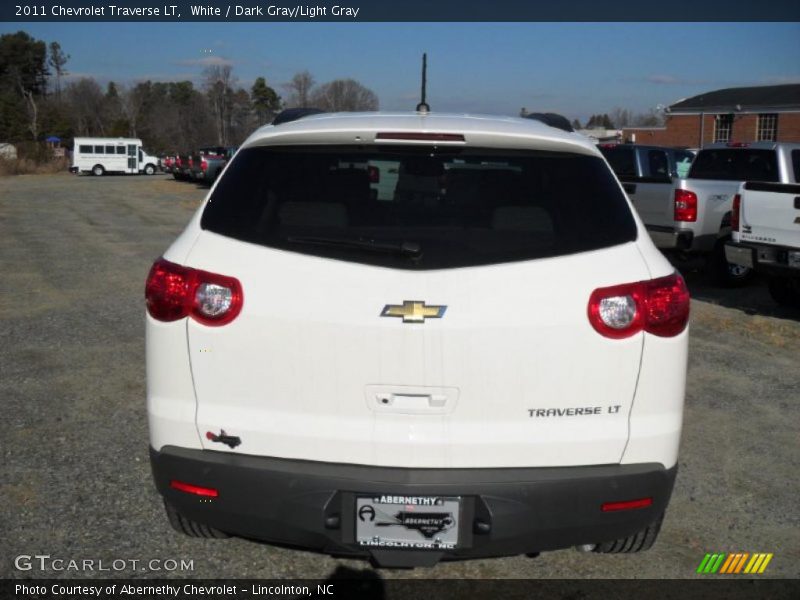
column 203, row 165
column 173, row 292
column 736, row 212
column 685, row 206
column 658, row 306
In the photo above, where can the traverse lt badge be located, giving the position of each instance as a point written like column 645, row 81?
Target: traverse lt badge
column 413, row 311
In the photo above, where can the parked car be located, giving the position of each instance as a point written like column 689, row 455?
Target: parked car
column 182, row 167
column 168, row 163
column 99, row 156
column 703, row 201
column 647, row 174
column 208, row 163
column 490, row 361
column 766, row 234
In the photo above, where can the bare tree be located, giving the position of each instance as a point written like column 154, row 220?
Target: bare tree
column 621, row 117
column 243, row 116
column 85, row 100
column 652, row 118
column 299, row 90
column 218, row 83
column 57, row 59
column 33, row 111
column 344, row 95
column 131, row 102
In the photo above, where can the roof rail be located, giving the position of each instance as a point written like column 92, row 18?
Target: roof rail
column 293, row 114
column 552, row 119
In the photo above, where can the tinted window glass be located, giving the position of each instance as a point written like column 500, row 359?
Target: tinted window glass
column 120, row 149
column 109, row 149
column 796, row 165
column 452, row 208
column 657, row 164
column 732, row 164
column 99, row 150
column 621, row 159
column 85, row 149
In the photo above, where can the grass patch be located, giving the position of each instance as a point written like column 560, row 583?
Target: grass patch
column 28, row 166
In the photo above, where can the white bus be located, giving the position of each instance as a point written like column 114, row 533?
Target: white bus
column 111, row 155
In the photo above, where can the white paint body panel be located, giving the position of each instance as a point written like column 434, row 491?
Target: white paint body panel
column 769, row 218
column 295, row 374
column 289, row 375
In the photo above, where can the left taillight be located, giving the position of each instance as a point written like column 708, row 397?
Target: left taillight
column 658, row 306
column 173, row 292
column 736, row 212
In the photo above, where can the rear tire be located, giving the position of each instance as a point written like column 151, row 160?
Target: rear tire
column 98, row 170
column 189, row 527
column 726, row 274
column 638, row 542
column 785, row 291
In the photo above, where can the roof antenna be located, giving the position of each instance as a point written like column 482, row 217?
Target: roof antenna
column 423, row 107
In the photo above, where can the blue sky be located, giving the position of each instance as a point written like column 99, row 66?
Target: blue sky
column 576, row 69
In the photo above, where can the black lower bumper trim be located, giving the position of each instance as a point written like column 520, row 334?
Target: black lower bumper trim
column 505, row 512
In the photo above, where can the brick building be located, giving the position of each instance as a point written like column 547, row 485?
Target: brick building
column 746, row 114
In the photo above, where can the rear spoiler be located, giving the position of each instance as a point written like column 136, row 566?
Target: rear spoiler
column 293, row 114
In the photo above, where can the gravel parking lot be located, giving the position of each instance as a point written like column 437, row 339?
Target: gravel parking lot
column 75, row 479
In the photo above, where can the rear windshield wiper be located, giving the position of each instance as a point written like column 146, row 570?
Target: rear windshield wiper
column 411, row 249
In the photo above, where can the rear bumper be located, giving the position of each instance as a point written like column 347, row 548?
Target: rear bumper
column 764, row 258
column 504, row 511
column 670, row 238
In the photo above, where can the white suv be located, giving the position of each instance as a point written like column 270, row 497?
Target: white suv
column 485, row 357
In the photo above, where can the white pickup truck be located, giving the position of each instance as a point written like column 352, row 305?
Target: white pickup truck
column 766, row 234
column 702, row 202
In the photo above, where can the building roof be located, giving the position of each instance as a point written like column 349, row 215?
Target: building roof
column 785, row 96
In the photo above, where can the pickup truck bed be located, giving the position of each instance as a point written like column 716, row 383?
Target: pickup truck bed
column 766, row 236
column 703, row 201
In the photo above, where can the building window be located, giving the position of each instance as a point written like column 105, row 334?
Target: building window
column 723, row 124
column 767, row 128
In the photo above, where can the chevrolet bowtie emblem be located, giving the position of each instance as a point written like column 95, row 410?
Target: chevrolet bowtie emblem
column 413, row 311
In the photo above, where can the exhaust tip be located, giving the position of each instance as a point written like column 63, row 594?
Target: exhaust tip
column 586, row 547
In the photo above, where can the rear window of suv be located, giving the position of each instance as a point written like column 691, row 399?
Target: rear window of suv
column 420, row 208
column 622, row 160
column 731, row 164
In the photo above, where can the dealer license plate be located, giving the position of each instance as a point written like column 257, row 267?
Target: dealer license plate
column 408, row 522
column 794, row 259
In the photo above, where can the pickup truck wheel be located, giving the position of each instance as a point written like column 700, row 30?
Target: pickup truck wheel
column 149, row 170
column 785, row 291
column 727, row 274
column 189, row 527
column 98, row 170
column 638, row 542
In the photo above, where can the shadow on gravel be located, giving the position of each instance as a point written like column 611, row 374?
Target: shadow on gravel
column 752, row 299
column 199, row 185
